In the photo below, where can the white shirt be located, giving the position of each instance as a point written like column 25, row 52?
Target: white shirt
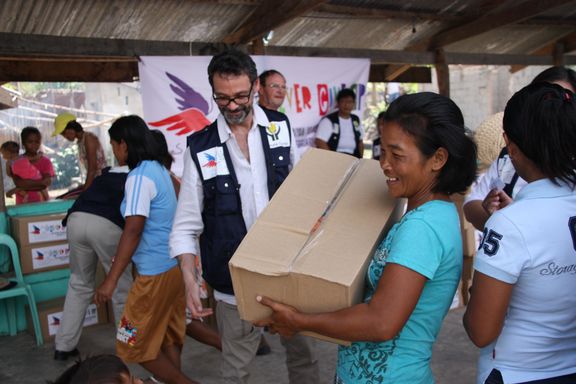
column 252, row 177
column 532, row 244
column 347, row 141
column 498, row 174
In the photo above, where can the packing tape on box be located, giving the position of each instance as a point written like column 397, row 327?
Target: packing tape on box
column 316, row 230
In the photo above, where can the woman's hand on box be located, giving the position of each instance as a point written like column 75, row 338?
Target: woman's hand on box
column 283, row 319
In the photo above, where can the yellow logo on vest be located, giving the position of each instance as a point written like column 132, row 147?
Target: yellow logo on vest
column 278, row 134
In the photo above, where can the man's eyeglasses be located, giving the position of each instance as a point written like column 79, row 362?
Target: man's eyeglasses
column 224, row 101
column 276, row 86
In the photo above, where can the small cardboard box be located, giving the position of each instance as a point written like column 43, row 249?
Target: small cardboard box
column 311, row 246
column 44, row 257
column 28, row 230
column 50, row 314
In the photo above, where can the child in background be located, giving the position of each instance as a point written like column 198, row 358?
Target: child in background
column 10, row 151
column 99, row 369
column 32, row 172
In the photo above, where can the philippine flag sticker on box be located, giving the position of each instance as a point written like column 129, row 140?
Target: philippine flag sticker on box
column 50, row 256
column 42, row 231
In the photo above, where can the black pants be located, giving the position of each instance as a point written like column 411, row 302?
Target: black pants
column 496, row 378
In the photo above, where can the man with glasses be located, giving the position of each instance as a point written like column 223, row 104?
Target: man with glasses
column 272, row 89
column 231, row 170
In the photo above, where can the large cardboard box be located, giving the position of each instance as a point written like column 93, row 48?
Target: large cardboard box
column 50, row 314
column 44, row 257
column 311, row 246
column 28, row 230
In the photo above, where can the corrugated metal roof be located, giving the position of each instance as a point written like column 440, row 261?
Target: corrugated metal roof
column 340, row 24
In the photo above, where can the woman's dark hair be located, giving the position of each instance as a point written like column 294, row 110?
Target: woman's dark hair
column 232, row 62
column 553, row 74
column 139, row 139
column 541, row 120
column 101, row 369
column 76, row 126
column 166, row 157
column 345, row 92
column 27, row 132
column 436, row 122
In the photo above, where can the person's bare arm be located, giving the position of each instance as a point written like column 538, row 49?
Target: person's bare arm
column 382, row 318
column 129, row 241
column 486, row 311
column 33, row 185
column 321, row 144
column 92, row 145
column 478, row 212
column 361, row 148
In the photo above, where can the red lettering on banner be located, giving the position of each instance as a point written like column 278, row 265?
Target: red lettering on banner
column 323, row 103
column 298, row 106
column 307, row 97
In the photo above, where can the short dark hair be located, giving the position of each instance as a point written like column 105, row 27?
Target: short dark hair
column 139, row 139
column 166, row 157
column 10, row 146
column 232, row 62
column 541, row 120
column 436, row 122
column 266, row 74
column 76, row 126
column 100, row 369
column 557, row 73
column 345, row 92
column 27, row 131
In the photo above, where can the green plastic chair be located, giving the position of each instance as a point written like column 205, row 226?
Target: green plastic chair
column 20, row 289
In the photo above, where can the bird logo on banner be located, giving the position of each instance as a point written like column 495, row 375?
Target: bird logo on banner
column 193, row 106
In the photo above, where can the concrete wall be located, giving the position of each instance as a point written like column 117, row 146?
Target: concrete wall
column 481, row 91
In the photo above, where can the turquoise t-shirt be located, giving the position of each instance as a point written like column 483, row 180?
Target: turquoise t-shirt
column 149, row 192
column 426, row 240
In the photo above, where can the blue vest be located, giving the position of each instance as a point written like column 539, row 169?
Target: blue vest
column 335, row 137
column 224, row 226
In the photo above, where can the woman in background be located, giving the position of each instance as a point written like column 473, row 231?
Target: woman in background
column 151, row 330
column 522, row 310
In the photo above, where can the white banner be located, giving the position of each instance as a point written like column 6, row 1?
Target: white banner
column 177, row 97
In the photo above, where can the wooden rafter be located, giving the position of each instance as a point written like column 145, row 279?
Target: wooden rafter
column 378, row 13
column 489, row 22
column 491, row 19
column 568, row 42
column 267, row 16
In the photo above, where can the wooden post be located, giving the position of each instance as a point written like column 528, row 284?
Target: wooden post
column 558, row 54
column 442, row 73
column 257, row 47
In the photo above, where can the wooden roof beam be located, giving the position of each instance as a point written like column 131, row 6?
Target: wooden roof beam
column 490, row 21
column 269, row 15
column 568, row 43
column 378, row 13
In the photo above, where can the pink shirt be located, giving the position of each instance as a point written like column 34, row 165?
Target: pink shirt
column 44, row 167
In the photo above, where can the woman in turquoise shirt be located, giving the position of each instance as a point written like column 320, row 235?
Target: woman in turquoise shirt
column 415, row 271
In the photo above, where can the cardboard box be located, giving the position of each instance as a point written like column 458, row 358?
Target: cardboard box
column 44, row 257
column 50, row 314
column 27, row 230
column 311, row 246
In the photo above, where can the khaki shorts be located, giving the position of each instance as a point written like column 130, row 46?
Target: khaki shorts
column 154, row 316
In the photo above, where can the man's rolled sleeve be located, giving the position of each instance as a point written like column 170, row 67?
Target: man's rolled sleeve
column 188, row 224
